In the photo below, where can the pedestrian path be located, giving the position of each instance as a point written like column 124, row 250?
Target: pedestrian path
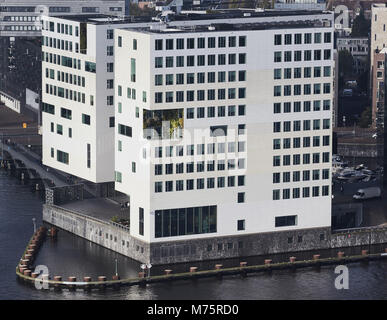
column 32, row 163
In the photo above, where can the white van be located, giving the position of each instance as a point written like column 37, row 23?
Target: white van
column 367, row 193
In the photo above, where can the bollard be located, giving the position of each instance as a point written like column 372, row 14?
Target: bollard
column 34, row 275
column 243, row 264
column 102, row 279
column 268, row 261
column 292, row 259
column 218, row 266
column 22, row 269
column 31, row 251
column 26, row 262
column 72, row 279
column 340, row 254
column 167, row 272
column 53, row 232
column 88, row 286
column 57, row 287
column 193, row 269
column 32, row 247
column 316, row 257
column 27, row 272
column 116, row 286
column 28, row 257
column 37, row 187
column 364, row 252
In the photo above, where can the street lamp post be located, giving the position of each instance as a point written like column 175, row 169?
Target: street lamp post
column 33, row 221
column 149, row 266
column 116, row 266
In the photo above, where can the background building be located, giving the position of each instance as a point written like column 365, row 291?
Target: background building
column 358, row 47
column 22, row 17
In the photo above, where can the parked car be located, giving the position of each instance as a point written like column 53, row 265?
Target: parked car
column 367, row 193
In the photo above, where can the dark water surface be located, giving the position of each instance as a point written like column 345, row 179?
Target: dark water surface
column 73, row 256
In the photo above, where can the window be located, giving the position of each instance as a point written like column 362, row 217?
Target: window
column 158, row 44
column 133, row 70
column 240, row 225
column 125, row 130
column 158, row 62
column 85, row 119
column 277, row 39
column 62, row 157
column 241, row 197
column 285, row 221
column 169, row 62
column 179, row 44
column 182, row 221
column 169, row 44
column 141, row 221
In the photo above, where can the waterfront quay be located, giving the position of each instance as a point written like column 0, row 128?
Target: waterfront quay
column 117, row 238
column 25, row 269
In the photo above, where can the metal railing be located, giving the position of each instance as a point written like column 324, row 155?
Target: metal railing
column 360, row 229
column 114, row 224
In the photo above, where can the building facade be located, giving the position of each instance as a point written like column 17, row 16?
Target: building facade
column 78, row 96
column 377, row 46
column 229, row 132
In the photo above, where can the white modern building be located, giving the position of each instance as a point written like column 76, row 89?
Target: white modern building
column 229, row 132
column 22, row 17
column 216, row 126
column 78, row 95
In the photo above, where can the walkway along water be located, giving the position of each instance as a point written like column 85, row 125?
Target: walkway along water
column 24, row 269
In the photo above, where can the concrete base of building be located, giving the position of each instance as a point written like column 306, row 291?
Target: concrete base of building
column 111, row 236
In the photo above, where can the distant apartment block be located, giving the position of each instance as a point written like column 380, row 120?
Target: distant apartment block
column 378, row 45
column 358, row 48
column 22, row 17
column 378, row 89
column 318, row 5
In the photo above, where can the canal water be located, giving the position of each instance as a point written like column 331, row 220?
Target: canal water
column 73, row 256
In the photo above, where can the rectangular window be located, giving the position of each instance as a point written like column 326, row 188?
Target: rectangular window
column 85, row 119
column 285, row 221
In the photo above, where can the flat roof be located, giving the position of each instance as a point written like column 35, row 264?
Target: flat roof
column 221, row 27
column 218, row 14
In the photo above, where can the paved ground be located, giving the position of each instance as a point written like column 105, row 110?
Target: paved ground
column 100, row 208
column 33, row 163
column 11, row 125
column 374, row 210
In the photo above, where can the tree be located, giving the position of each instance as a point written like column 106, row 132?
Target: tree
column 361, row 26
column 135, row 10
column 366, row 118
